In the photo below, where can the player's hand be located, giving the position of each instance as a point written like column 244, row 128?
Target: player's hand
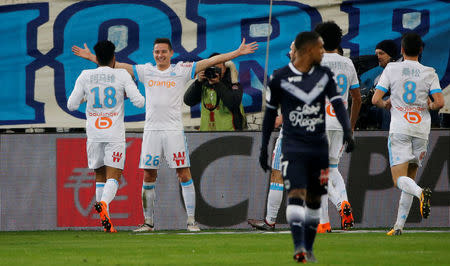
column 263, row 159
column 278, row 121
column 247, row 48
column 349, row 142
column 83, row 53
column 201, row 76
column 388, row 104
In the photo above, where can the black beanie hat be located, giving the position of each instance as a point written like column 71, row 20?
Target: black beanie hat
column 389, row 47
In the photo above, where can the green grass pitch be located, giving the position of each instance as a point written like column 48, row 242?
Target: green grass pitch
column 211, row 248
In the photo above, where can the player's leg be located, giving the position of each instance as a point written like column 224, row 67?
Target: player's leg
column 177, row 154
column 318, row 174
column 275, row 195
column 149, row 161
column 100, row 179
column 114, row 162
column 295, row 182
column 404, row 205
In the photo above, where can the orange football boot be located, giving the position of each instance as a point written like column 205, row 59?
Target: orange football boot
column 101, row 208
column 347, row 220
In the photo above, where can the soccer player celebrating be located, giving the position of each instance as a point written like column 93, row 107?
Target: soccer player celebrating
column 411, row 84
column 165, row 84
column 344, row 74
column 300, row 88
column 104, row 88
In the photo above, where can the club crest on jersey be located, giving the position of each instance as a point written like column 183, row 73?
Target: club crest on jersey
column 306, row 116
column 179, row 158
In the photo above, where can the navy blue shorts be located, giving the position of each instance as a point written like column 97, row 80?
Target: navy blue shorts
column 304, row 172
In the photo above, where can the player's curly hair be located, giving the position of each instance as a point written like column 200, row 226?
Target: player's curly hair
column 104, row 50
column 331, row 34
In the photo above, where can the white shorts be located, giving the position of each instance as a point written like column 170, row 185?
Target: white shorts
column 172, row 144
column 404, row 148
column 276, row 154
column 335, row 146
column 106, row 153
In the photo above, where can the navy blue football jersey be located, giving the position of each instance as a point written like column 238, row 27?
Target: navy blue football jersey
column 302, row 100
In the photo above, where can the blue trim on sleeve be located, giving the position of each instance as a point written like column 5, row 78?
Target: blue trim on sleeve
column 435, row 91
column 186, row 183
column 193, row 70
column 333, row 165
column 381, row 88
column 100, row 185
column 135, row 73
column 148, row 187
column 354, row 86
column 276, row 186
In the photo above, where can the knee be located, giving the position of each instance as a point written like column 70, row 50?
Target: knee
column 183, row 174
column 313, row 201
column 150, row 175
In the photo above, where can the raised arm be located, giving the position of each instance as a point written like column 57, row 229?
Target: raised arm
column 87, row 54
column 243, row 49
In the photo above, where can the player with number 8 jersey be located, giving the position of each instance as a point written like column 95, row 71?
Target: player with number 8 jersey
column 412, row 85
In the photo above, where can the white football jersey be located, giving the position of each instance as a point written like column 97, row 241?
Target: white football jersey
column 104, row 90
column 164, row 91
column 344, row 74
column 410, row 84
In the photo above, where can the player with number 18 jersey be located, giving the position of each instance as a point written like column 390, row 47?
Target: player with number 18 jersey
column 104, row 90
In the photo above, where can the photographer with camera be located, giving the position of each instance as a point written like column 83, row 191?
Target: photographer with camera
column 220, row 95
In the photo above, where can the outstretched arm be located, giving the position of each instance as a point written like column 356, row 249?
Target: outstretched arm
column 243, row 49
column 86, row 54
column 356, row 106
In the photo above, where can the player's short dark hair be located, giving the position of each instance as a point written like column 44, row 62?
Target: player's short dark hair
column 305, row 38
column 331, row 34
column 104, row 50
column 163, row 40
column 412, row 43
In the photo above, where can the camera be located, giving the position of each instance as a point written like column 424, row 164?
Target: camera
column 211, row 72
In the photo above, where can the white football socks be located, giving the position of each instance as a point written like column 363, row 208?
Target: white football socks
column 110, row 190
column 404, row 205
column 274, row 200
column 339, row 187
column 99, row 190
column 188, row 192
column 324, row 218
column 408, row 185
column 148, row 201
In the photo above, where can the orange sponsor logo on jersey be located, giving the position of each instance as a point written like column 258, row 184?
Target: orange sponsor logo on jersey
column 167, row 83
column 413, row 117
column 330, row 110
column 103, row 122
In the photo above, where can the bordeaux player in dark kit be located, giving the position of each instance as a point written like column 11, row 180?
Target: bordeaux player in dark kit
column 300, row 89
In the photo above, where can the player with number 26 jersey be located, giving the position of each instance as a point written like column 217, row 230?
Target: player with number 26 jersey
column 104, row 89
column 410, row 83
